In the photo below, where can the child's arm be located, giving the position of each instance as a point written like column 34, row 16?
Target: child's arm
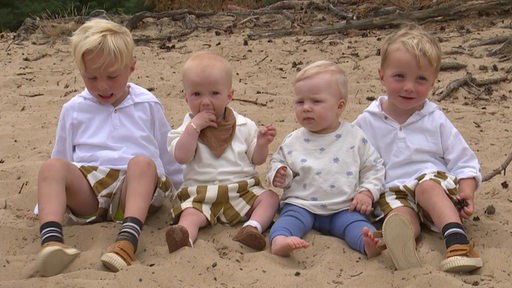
column 266, row 135
column 467, row 188
column 187, row 142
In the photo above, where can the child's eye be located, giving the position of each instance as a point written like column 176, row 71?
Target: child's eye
column 196, row 94
column 112, row 76
column 399, row 76
column 215, row 93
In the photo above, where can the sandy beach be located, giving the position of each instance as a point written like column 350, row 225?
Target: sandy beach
column 38, row 76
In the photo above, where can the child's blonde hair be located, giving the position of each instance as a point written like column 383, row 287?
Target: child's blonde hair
column 210, row 61
column 112, row 40
column 418, row 42
column 324, row 66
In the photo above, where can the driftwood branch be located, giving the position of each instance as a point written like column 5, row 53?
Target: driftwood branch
column 445, row 66
column 32, row 95
column 287, row 9
column 163, row 38
column 180, row 14
column 490, row 41
column 308, row 5
column 469, row 80
column 504, row 49
column 456, row 10
column 454, row 85
column 498, row 170
column 251, row 102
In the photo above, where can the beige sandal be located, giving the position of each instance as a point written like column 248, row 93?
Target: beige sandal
column 54, row 258
column 399, row 238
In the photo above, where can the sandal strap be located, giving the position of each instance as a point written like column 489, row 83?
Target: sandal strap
column 458, row 250
column 124, row 249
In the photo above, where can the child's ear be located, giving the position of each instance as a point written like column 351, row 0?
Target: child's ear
column 381, row 75
column 231, row 93
column 341, row 104
column 132, row 65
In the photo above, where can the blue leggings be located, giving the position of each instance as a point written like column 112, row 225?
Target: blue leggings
column 347, row 225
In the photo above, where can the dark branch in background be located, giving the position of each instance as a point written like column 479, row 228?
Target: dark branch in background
column 456, row 10
column 498, row 170
column 469, row 80
column 174, row 15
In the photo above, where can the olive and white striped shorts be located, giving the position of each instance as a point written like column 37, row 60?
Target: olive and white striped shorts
column 404, row 195
column 106, row 184
column 227, row 204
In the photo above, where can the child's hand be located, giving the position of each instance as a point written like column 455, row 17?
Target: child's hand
column 280, row 177
column 204, row 119
column 362, row 202
column 266, row 134
column 466, row 196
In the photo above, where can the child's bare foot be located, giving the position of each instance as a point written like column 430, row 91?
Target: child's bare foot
column 284, row 245
column 372, row 246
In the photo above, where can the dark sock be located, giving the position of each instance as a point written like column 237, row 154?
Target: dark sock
column 453, row 233
column 51, row 231
column 130, row 231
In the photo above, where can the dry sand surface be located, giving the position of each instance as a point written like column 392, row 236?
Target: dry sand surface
column 38, row 77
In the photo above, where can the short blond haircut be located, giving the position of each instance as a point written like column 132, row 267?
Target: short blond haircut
column 418, row 42
column 112, row 40
column 323, row 66
column 212, row 61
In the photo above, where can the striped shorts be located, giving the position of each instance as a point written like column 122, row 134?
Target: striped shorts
column 404, row 195
column 227, row 204
column 107, row 184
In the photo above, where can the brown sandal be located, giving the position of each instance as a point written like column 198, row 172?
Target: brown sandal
column 461, row 258
column 177, row 237
column 121, row 254
column 250, row 236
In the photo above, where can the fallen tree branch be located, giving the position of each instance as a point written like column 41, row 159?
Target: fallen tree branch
column 251, row 102
column 498, row 170
column 454, row 85
column 456, row 10
column 504, row 49
column 180, row 14
column 164, row 38
column 445, row 66
column 308, row 5
column 469, row 80
column 490, row 41
column 32, row 95
column 270, row 34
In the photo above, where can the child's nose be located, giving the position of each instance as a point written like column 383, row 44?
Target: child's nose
column 409, row 86
column 103, row 85
column 205, row 104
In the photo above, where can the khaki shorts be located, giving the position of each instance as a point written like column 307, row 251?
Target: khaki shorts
column 106, row 184
column 227, row 204
column 404, row 195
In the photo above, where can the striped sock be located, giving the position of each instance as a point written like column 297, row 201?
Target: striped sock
column 51, row 231
column 453, row 233
column 130, row 231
